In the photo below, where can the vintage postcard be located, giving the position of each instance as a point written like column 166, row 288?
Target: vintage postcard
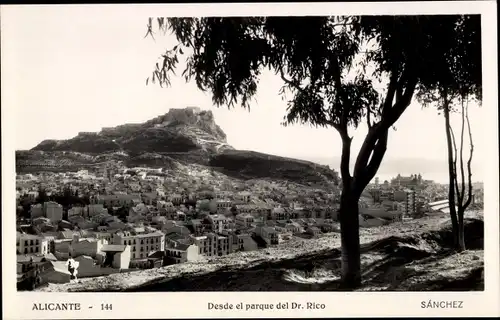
column 250, row 160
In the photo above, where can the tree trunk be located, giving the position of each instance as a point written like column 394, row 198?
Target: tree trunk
column 461, row 231
column 451, row 177
column 349, row 221
column 349, row 231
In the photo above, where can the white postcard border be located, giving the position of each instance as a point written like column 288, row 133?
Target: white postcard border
column 18, row 305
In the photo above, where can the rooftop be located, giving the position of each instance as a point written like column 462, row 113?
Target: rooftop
column 178, row 246
column 60, row 266
column 113, row 248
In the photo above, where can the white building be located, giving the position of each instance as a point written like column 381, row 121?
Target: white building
column 86, row 246
column 181, row 252
column 219, row 222
column 141, row 244
column 31, row 244
column 244, row 220
column 212, row 245
column 269, row 234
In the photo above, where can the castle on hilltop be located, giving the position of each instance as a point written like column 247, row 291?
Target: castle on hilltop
column 194, row 109
column 87, row 133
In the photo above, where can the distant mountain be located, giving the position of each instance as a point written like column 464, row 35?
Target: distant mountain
column 187, row 136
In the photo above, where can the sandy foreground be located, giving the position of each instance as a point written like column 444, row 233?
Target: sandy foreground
column 409, row 255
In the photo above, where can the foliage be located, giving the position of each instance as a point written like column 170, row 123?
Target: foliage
column 234, row 210
column 333, row 66
column 456, row 81
column 69, row 198
column 42, row 195
column 458, row 76
column 122, row 213
column 340, row 71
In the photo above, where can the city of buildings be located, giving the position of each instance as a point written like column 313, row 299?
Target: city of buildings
column 119, row 219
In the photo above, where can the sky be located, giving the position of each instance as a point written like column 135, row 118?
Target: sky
column 73, row 72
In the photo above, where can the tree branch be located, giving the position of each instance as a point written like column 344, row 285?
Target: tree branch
column 340, row 127
column 373, row 131
column 366, row 150
column 390, row 114
column 375, row 161
column 290, row 82
column 299, row 88
column 469, row 170
column 368, row 118
column 346, row 156
column 462, row 173
column 338, row 88
column 399, row 93
column 454, row 168
column 394, row 113
column 391, row 89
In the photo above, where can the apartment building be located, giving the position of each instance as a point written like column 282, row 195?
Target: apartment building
column 244, row 220
column 212, row 244
column 219, row 222
column 410, row 203
column 181, row 252
column 53, row 211
column 141, row 244
column 76, row 211
column 239, row 241
column 86, row 246
column 223, row 206
column 269, row 234
column 31, row 244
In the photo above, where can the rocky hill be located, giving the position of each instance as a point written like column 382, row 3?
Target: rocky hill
column 179, row 130
column 187, row 136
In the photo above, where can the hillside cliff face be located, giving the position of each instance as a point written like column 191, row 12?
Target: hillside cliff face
column 188, row 136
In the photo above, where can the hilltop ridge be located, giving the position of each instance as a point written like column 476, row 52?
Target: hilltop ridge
column 187, row 136
column 178, row 130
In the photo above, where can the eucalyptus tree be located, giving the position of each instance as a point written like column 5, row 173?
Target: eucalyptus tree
column 453, row 84
column 339, row 72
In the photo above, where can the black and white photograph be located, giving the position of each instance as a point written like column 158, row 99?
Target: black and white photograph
column 271, row 152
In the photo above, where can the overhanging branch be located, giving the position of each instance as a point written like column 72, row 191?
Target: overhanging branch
column 290, row 82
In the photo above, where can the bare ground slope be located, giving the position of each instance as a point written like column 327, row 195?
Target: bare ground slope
column 407, row 256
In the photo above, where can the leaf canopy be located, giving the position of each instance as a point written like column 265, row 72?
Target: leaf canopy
column 458, row 73
column 338, row 69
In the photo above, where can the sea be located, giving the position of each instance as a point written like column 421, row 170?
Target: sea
column 430, row 169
